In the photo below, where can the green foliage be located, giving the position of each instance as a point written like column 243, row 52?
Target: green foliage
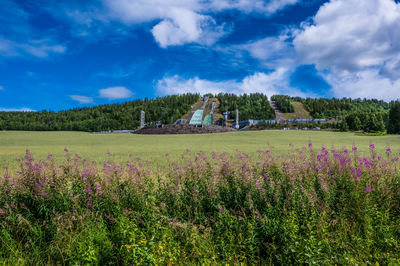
column 344, row 127
column 357, row 125
column 394, row 118
column 252, row 106
column 103, row 117
column 367, row 122
column 333, row 108
column 311, row 207
column 283, row 103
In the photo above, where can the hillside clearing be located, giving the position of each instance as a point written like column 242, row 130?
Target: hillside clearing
column 300, row 112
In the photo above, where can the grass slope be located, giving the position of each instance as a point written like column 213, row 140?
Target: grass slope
column 154, row 147
column 299, row 112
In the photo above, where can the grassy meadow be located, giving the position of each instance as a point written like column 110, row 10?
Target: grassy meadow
column 319, row 204
column 154, row 147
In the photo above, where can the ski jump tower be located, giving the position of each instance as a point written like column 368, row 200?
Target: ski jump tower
column 197, row 118
column 208, row 120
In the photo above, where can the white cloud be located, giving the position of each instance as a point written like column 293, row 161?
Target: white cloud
column 81, row 99
column 355, row 44
column 115, row 93
column 186, row 26
column 181, row 20
column 364, row 84
column 273, row 52
column 184, row 21
column 272, row 83
column 351, row 35
column 260, row 6
column 36, row 48
column 139, row 11
column 178, row 85
column 23, row 109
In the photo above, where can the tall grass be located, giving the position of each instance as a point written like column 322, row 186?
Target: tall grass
column 312, row 206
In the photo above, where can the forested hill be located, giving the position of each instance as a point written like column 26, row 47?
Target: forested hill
column 251, row 106
column 169, row 109
column 103, row 117
column 127, row 115
column 332, row 108
column 368, row 115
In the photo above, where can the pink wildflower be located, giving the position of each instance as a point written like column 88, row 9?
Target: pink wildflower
column 367, row 190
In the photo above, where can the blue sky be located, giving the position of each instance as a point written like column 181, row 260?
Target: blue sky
column 57, row 55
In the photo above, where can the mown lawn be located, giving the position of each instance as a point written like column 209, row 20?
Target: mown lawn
column 154, row 147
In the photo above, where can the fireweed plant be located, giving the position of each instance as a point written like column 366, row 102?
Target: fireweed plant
column 322, row 206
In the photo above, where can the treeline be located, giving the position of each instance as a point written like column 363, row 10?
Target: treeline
column 368, row 122
column 336, row 108
column 251, row 106
column 283, row 103
column 103, row 117
column 368, row 115
column 344, row 114
column 374, row 122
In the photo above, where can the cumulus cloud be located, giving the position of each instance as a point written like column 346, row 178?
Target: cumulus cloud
column 23, row 109
column 364, row 84
column 115, row 93
column 181, row 20
column 81, row 99
column 275, row 82
column 185, row 21
column 186, row 26
column 358, row 43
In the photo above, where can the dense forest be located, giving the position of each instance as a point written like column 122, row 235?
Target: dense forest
column 283, row 103
column 368, row 122
column 251, row 106
column 103, row 117
column 337, row 108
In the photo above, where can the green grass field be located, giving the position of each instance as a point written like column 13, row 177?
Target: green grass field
column 154, row 147
column 305, row 209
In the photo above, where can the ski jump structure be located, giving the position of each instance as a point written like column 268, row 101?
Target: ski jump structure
column 197, row 118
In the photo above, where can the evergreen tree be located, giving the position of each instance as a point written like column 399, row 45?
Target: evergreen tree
column 357, row 123
column 394, row 118
column 344, row 126
column 372, row 123
column 380, row 126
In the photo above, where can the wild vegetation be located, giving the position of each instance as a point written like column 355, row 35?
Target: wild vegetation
column 283, row 103
column 251, row 106
column 368, row 122
column 394, row 118
column 313, row 206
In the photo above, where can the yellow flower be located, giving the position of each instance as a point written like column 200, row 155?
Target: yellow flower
column 128, row 246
